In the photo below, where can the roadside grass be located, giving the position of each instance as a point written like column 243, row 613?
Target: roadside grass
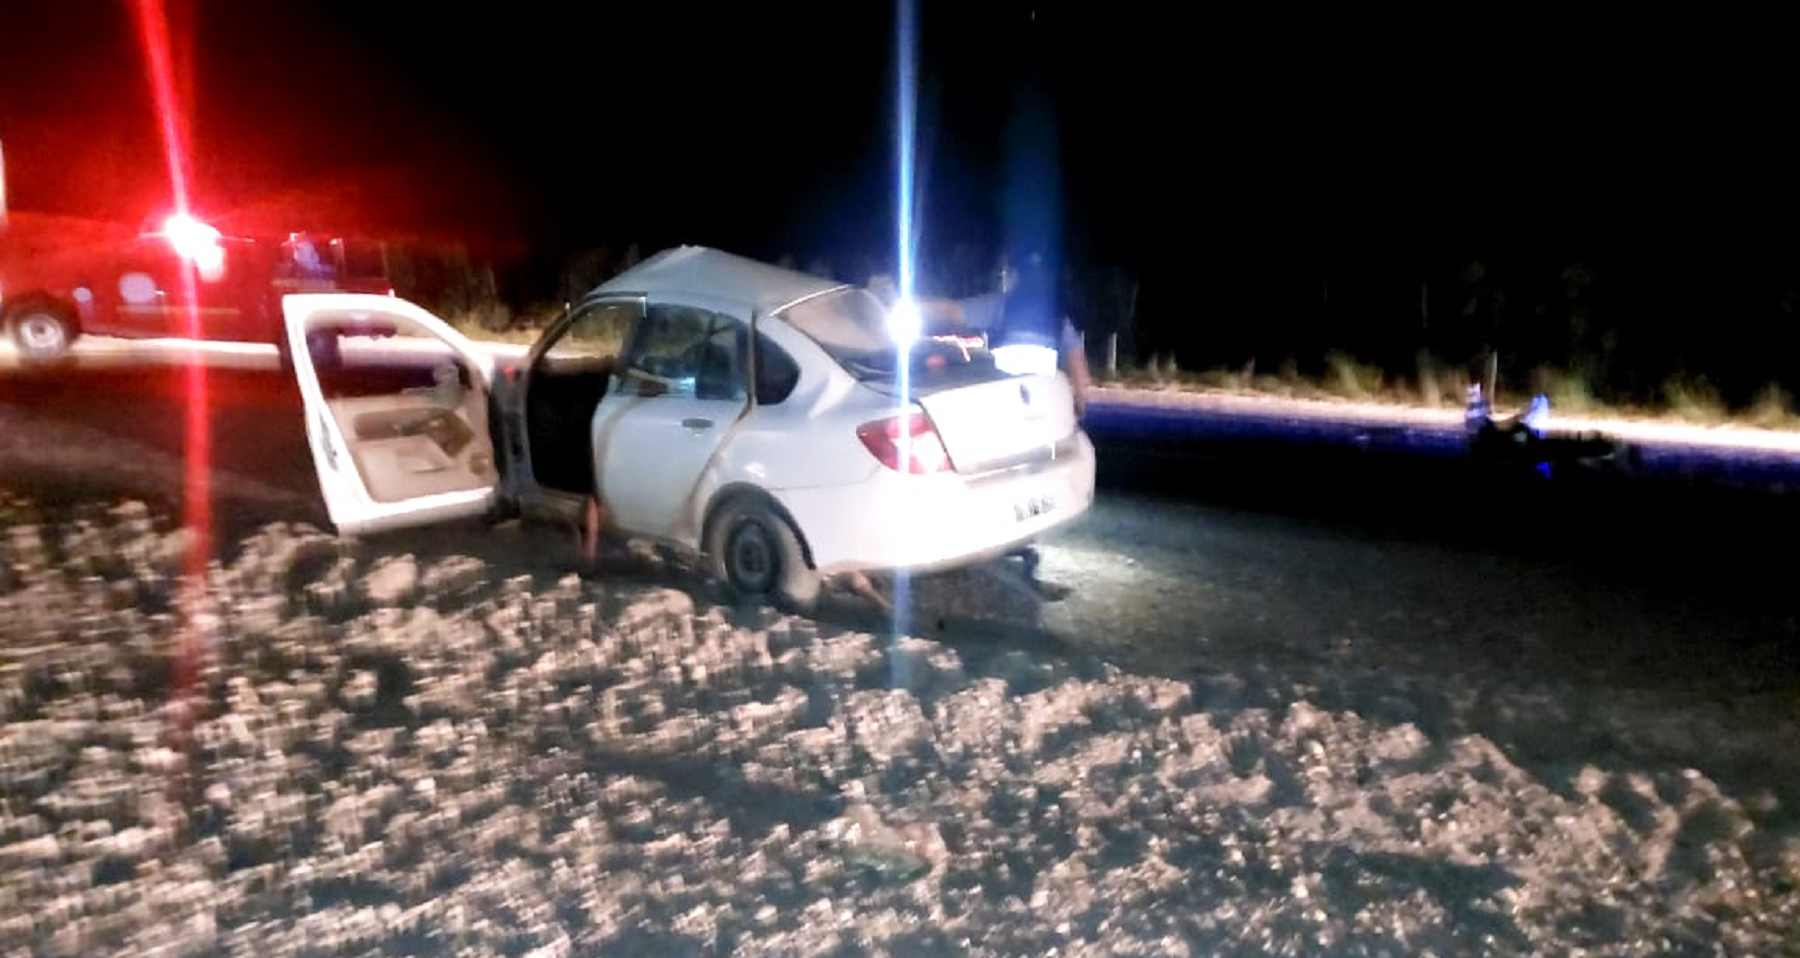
column 605, row 337
column 497, row 325
column 1684, row 399
column 1773, row 408
column 1568, row 392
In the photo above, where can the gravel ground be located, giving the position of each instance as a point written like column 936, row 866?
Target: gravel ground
column 396, row 748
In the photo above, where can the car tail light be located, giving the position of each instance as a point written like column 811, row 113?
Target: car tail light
column 925, row 451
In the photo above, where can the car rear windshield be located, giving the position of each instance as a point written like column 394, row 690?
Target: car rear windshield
column 850, row 324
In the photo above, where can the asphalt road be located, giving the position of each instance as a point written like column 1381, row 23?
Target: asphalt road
column 123, row 430
column 117, row 423
column 1419, row 477
column 119, row 427
column 1219, row 544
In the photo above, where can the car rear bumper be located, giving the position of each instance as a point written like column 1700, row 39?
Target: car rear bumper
column 893, row 521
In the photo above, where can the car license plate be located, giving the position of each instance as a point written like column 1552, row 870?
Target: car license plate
column 1033, row 507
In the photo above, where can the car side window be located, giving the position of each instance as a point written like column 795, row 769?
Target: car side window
column 688, row 352
column 595, row 333
column 776, row 372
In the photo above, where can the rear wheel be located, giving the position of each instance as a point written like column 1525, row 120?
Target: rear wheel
column 759, row 555
column 41, row 331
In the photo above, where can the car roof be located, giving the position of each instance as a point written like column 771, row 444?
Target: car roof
column 715, row 274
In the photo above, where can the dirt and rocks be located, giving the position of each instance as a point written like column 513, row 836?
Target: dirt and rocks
column 464, row 751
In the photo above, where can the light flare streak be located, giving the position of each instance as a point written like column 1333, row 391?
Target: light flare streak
column 906, row 244
column 153, row 35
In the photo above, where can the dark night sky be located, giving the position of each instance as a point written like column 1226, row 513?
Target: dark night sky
column 1189, row 140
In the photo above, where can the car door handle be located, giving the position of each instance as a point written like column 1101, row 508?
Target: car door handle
column 696, row 423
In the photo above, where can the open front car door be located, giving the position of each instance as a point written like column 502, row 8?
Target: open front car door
column 397, row 407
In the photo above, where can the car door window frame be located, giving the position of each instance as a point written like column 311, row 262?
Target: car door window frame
column 675, row 343
column 568, row 376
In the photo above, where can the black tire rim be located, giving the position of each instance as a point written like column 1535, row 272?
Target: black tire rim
column 751, row 558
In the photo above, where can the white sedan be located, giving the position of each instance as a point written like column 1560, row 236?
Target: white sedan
column 765, row 419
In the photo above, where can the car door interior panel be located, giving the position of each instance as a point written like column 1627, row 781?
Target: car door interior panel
column 559, row 410
column 406, row 446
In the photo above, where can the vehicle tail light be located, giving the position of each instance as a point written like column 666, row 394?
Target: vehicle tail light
column 924, row 453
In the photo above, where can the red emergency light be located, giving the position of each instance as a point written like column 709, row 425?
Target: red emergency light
column 197, row 242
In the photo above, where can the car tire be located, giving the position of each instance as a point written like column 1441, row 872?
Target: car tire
column 41, row 331
column 759, row 556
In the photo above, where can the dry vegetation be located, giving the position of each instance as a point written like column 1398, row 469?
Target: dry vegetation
column 1685, row 399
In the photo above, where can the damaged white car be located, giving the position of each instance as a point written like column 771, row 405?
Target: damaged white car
column 763, row 419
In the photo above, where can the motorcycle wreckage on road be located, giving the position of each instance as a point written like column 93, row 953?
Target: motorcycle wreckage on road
column 1523, row 444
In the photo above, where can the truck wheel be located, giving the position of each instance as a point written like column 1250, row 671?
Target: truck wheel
column 41, row 332
column 758, row 554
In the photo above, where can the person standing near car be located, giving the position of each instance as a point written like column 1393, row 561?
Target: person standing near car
column 595, row 522
column 1026, row 330
column 303, row 256
column 1023, row 323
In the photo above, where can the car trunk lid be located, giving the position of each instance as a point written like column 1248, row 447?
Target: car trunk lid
column 1002, row 423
